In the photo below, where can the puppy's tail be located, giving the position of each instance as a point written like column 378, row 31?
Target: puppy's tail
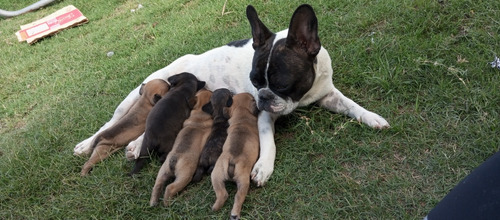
column 230, row 170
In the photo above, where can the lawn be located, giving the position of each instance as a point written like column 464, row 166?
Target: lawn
column 423, row 65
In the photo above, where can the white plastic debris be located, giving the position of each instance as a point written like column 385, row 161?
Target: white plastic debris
column 495, row 63
column 110, row 54
column 138, row 7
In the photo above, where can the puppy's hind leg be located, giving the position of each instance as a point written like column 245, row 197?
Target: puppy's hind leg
column 183, row 175
column 218, row 177
column 163, row 175
column 101, row 152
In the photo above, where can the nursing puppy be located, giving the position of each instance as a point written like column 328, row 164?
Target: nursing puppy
column 129, row 127
column 182, row 160
column 213, row 148
column 239, row 154
column 166, row 118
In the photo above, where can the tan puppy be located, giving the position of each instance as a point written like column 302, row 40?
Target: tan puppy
column 239, row 153
column 129, row 127
column 182, row 161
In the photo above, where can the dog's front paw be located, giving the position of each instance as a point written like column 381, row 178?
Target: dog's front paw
column 133, row 150
column 373, row 120
column 261, row 171
column 83, row 148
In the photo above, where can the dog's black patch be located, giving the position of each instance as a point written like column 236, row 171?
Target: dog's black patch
column 238, row 43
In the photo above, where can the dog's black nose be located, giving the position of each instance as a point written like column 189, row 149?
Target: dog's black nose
column 266, row 95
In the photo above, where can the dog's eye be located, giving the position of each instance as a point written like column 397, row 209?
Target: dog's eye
column 254, row 78
column 255, row 84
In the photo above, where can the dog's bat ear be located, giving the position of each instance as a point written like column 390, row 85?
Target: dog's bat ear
column 229, row 101
column 156, row 98
column 303, row 31
column 208, row 108
column 141, row 90
column 201, row 85
column 260, row 33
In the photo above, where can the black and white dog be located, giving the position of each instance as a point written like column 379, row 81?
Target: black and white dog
column 281, row 70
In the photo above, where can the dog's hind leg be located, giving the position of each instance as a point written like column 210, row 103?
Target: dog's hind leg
column 101, row 152
column 335, row 101
column 84, row 147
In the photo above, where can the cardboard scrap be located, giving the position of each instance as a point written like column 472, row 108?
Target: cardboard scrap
column 66, row 17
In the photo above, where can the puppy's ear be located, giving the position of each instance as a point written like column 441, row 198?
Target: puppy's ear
column 156, row 98
column 229, row 101
column 141, row 90
column 260, row 33
column 201, row 85
column 173, row 80
column 303, row 31
column 208, row 108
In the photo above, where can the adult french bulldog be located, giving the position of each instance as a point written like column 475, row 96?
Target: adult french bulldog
column 281, row 70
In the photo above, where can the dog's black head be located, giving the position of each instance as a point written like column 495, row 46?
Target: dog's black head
column 283, row 66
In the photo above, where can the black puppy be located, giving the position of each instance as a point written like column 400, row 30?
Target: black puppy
column 213, row 148
column 166, row 118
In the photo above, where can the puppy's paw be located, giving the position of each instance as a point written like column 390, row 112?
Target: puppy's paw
column 261, row 171
column 133, row 150
column 373, row 120
column 83, row 148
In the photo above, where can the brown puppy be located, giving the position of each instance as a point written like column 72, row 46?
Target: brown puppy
column 181, row 162
column 166, row 118
column 213, row 148
column 239, row 153
column 129, row 127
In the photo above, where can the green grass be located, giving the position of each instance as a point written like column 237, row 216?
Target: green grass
column 426, row 71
